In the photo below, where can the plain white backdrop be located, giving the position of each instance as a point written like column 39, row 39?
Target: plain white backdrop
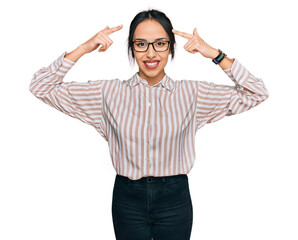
column 56, row 174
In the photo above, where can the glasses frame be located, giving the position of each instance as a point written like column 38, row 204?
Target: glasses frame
column 152, row 45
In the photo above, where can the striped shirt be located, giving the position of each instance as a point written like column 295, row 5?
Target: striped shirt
column 150, row 130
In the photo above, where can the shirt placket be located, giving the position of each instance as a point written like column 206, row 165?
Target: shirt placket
column 147, row 138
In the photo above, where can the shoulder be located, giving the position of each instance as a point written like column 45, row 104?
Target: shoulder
column 115, row 82
column 194, row 84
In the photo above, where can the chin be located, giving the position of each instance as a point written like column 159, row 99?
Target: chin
column 151, row 74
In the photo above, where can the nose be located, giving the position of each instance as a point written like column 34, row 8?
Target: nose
column 150, row 52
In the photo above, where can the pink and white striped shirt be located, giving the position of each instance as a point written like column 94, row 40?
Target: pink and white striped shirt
column 150, row 130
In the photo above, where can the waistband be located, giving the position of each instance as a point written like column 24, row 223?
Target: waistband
column 152, row 179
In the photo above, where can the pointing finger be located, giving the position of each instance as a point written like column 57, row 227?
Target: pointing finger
column 182, row 34
column 114, row 29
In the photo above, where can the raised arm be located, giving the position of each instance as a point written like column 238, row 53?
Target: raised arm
column 215, row 101
column 79, row 100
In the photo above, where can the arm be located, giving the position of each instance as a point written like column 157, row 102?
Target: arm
column 225, row 64
column 75, row 54
column 78, row 100
column 214, row 101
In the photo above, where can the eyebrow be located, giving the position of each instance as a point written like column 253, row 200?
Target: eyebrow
column 146, row 40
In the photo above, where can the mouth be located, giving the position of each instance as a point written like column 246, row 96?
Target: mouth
column 151, row 64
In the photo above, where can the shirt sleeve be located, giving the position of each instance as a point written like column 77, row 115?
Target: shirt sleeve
column 78, row 100
column 215, row 101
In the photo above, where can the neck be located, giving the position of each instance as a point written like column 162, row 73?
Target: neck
column 152, row 80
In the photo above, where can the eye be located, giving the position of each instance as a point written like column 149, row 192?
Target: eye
column 160, row 43
column 140, row 44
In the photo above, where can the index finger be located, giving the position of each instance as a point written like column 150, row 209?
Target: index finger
column 182, row 34
column 114, row 29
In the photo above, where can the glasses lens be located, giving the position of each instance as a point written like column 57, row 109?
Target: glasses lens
column 140, row 45
column 159, row 46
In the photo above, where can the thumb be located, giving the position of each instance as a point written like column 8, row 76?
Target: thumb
column 195, row 32
column 106, row 28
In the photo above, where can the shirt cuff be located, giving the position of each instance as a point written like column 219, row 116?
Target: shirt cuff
column 61, row 65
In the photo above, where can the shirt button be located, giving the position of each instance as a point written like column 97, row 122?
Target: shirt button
column 149, row 104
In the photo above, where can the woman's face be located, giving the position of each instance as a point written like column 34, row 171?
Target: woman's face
column 150, row 30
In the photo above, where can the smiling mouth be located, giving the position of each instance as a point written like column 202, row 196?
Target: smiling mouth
column 151, row 65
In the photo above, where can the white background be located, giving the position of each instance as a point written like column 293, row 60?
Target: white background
column 56, row 174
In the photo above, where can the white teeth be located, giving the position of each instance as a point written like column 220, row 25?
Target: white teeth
column 151, row 64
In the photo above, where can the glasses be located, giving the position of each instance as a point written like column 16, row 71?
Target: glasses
column 158, row 46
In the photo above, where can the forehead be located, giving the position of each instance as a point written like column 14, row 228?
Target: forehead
column 150, row 30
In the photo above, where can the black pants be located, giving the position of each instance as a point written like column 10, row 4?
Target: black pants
column 158, row 208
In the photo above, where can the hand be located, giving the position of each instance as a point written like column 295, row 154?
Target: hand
column 197, row 44
column 100, row 38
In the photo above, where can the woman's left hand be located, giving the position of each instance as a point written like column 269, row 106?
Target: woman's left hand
column 197, row 44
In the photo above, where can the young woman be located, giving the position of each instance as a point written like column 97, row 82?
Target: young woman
column 149, row 121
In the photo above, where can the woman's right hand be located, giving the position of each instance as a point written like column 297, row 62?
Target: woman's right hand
column 100, row 38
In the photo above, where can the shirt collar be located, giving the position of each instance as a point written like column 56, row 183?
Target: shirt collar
column 166, row 82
